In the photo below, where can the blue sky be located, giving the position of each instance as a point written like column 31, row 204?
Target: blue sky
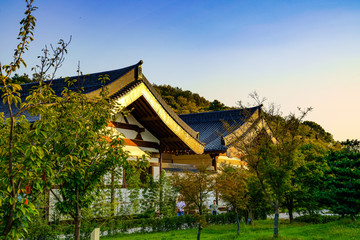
column 294, row 53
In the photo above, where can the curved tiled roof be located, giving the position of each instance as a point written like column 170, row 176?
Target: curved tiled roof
column 90, row 84
column 87, row 83
column 213, row 126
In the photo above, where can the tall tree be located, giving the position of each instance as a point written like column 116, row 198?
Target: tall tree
column 231, row 184
column 273, row 153
column 82, row 148
column 20, row 159
column 342, row 182
column 195, row 188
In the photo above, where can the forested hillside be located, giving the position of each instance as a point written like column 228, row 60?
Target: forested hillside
column 184, row 101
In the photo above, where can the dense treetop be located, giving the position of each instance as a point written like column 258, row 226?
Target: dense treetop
column 184, row 101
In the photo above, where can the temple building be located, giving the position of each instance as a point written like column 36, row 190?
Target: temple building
column 151, row 128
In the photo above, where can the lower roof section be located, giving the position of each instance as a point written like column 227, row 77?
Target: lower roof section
column 215, row 127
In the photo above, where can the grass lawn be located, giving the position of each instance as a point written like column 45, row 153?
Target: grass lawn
column 343, row 229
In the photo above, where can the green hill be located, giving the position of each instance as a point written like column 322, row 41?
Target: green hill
column 185, row 101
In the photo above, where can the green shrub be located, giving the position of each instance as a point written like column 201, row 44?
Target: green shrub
column 161, row 224
column 316, row 218
column 41, row 230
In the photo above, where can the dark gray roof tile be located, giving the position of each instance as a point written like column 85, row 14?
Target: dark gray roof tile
column 213, row 126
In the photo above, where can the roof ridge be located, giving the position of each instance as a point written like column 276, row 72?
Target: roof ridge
column 219, row 112
column 86, row 75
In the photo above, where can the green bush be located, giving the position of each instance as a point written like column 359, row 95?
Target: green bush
column 316, row 218
column 160, row 224
column 41, row 230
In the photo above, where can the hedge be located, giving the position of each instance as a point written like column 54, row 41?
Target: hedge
column 115, row 226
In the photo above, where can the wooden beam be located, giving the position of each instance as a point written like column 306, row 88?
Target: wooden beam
column 155, row 154
column 160, row 162
column 170, row 139
column 126, row 126
column 140, row 143
column 147, row 119
column 154, row 164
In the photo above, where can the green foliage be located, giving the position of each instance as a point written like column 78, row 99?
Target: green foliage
column 273, row 155
column 167, row 223
column 21, row 152
column 231, row 184
column 342, row 182
column 195, row 188
column 308, row 177
column 317, row 132
column 216, row 105
column 21, row 79
column 81, row 148
column 316, row 218
column 183, row 102
column 257, row 206
column 159, row 198
column 352, row 145
column 39, row 229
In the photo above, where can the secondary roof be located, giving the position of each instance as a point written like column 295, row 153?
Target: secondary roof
column 213, row 127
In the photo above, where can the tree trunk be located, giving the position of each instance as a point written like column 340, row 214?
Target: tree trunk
column 200, row 224
column 9, row 222
column 77, row 225
column 199, row 232
column 237, row 221
column 77, row 217
column 276, row 221
column 291, row 214
column 251, row 216
column 290, row 207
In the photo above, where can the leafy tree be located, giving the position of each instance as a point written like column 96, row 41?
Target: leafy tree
column 21, row 153
column 69, row 146
column 307, row 179
column 216, row 105
column 82, row 149
column 195, row 188
column 318, row 132
column 352, row 145
column 21, row 79
column 231, row 183
column 273, row 155
column 257, row 206
column 342, row 182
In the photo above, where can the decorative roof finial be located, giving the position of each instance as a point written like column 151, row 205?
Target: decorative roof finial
column 139, row 70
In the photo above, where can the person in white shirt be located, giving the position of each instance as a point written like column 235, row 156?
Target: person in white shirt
column 180, row 205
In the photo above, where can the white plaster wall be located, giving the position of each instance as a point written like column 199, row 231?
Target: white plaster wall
column 156, row 172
